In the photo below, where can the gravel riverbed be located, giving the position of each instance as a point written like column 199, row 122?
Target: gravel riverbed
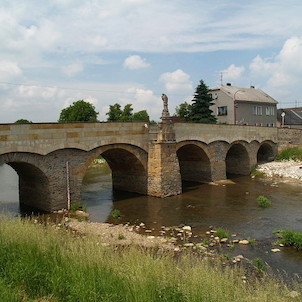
column 284, row 169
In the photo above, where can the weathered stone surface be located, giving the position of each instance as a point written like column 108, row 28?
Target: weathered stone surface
column 244, row 242
column 144, row 159
column 163, row 170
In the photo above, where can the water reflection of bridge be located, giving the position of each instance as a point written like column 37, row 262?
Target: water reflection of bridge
column 144, row 159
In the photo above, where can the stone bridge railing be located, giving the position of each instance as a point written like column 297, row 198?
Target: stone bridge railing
column 209, row 133
column 47, row 137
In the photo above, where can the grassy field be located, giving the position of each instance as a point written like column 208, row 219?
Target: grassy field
column 43, row 263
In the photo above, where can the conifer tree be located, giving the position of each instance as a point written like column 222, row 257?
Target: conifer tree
column 200, row 109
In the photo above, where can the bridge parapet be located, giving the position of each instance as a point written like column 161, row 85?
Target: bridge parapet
column 209, row 133
column 47, row 137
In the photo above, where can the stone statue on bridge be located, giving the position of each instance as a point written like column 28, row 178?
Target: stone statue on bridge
column 165, row 112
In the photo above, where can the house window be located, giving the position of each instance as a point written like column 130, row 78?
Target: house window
column 257, row 110
column 222, row 110
column 270, row 111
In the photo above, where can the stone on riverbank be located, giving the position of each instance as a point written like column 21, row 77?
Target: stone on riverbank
column 285, row 169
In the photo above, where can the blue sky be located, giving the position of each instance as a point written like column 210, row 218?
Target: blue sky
column 53, row 53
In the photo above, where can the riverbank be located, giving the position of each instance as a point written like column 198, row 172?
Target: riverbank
column 287, row 169
column 50, row 263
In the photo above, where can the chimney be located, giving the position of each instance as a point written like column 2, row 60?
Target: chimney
column 228, row 84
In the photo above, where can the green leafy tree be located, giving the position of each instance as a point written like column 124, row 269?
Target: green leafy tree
column 184, row 111
column 79, row 111
column 142, row 116
column 115, row 113
column 127, row 114
column 200, row 110
column 23, row 121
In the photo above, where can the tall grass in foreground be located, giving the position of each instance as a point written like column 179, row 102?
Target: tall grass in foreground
column 294, row 153
column 41, row 263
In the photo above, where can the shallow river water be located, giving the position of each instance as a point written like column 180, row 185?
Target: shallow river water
column 232, row 206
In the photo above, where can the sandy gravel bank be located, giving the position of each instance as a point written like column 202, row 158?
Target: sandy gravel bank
column 285, row 169
column 118, row 234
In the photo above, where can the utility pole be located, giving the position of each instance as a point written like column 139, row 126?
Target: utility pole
column 221, row 76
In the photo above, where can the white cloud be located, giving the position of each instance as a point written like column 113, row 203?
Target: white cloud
column 39, row 40
column 34, row 92
column 9, row 70
column 233, row 72
column 144, row 25
column 143, row 99
column 177, row 81
column 282, row 73
column 72, row 69
column 135, row 62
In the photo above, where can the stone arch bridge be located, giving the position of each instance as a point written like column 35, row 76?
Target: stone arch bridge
column 51, row 159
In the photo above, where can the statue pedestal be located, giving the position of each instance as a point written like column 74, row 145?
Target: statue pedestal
column 163, row 167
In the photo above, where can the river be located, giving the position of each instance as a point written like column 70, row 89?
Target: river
column 231, row 206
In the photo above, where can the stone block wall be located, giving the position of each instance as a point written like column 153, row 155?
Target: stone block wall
column 288, row 137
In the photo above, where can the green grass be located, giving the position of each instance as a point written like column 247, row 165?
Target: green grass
column 294, row 153
column 121, row 237
column 77, row 205
column 256, row 172
column 222, row 233
column 115, row 213
column 259, row 264
column 290, row 238
column 42, row 263
column 263, row 201
column 252, row 241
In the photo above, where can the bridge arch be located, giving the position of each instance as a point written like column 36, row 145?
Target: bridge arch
column 194, row 161
column 237, row 159
column 128, row 164
column 266, row 152
column 33, row 181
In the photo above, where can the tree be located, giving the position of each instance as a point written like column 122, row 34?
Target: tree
column 142, row 116
column 127, row 114
column 23, row 121
column 79, row 111
column 117, row 114
column 184, row 111
column 114, row 113
column 200, row 110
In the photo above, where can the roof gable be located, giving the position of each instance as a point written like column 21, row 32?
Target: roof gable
column 246, row 94
column 293, row 116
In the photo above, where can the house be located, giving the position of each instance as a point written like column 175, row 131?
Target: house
column 290, row 117
column 243, row 106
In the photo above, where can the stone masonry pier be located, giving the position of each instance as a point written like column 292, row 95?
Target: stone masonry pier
column 51, row 159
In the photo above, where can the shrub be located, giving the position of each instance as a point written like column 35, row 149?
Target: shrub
column 294, row 153
column 78, row 206
column 290, row 238
column 222, row 233
column 115, row 213
column 263, row 201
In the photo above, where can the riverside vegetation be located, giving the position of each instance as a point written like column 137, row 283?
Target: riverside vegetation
column 293, row 153
column 263, row 201
column 40, row 262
